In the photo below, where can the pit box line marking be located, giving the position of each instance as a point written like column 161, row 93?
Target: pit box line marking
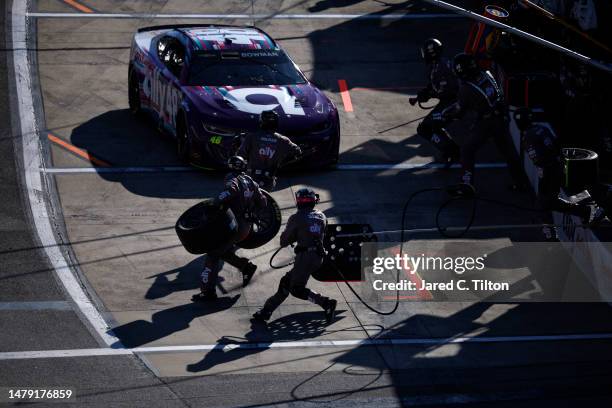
column 84, row 154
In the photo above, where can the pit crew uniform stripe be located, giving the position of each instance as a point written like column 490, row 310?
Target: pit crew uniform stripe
column 78, row 6
column 79, row 152
column 346, row 97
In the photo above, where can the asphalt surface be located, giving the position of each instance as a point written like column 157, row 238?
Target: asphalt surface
column 121, row 244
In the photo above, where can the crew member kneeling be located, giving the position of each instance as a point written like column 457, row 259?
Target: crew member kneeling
column 242, row 195
column 307, row 228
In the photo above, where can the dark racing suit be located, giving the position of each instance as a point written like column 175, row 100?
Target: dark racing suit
column 442, row 84
column 264, row 152
column 481, row 109
column 242, row 195
column 540, row 143
column 307, row 229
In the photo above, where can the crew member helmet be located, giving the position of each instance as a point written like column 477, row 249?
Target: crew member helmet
column 268, row 120
column 237, row 164
column 306, row 198
column 431, row 49
column 465, row 66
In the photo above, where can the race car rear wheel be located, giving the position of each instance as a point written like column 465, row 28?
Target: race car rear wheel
column 183, row 144
column 134, row 93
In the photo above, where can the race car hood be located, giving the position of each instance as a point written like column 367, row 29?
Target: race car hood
column 298, row 106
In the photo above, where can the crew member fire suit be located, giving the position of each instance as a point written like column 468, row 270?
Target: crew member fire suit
column 481, row 109
column 443, row 85
column 306, row 228
column 265, row 151
column 243, row 196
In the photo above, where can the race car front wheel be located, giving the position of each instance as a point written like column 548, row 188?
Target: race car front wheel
column 134, row 93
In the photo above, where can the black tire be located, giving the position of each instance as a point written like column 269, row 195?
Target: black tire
column 268, row 224
column 202, row 227
column 580, row 169
column 134, row 94
column 183, row 145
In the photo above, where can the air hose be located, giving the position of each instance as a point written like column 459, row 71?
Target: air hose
column 457, row 192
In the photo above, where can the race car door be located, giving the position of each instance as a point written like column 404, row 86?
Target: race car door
column 165, row 84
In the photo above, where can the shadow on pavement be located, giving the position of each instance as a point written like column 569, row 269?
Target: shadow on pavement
column 168, row 321
column 296, row 326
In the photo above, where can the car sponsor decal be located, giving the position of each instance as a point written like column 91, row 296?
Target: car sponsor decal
column 244, row 99
column 165, row 98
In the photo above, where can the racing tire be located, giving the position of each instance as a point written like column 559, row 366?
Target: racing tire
column 204, row 226
column 580, row 169
column 134, row 94
column 267, row 224
column 183, row 145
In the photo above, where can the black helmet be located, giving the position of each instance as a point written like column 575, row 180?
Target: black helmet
column 464, row 66
column 237, row 164
column 523, row 117
column 431, row 49
column 268, row 120
column 306, row 198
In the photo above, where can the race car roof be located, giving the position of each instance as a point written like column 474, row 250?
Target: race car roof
column 229, row 38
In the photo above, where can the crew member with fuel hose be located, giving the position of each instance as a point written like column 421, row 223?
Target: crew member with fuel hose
column 242, row 196
column 266, row 150
column 443, row 85
column 306, row 228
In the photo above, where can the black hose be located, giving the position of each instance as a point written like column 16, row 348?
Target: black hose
column 279, row 266
column 442, row 230
column 457, row 192
column 397, row 277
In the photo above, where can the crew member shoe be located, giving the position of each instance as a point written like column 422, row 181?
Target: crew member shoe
column 247, row 273
column 330, row 311
column 448, row 159
column 204, row 297
column 261, row 316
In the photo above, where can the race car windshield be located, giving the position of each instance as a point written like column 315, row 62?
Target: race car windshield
column 243, row 68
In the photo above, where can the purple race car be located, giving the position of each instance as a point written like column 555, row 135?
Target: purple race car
column 207, row 84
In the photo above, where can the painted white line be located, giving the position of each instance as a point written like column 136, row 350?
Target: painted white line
column 179, row 169
column 17, row 355
column 413, row 166
column 32, row 161
column 50, row 305
column 153, row 169
column 497, row 227
column 390, row 16
column 27, row 355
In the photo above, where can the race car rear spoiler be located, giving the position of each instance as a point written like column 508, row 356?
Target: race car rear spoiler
column 171, row 26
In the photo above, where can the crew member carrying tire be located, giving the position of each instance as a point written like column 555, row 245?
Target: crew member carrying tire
column 306, row 228
column 443, row 85
column 266, row 150
column 243, row 197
